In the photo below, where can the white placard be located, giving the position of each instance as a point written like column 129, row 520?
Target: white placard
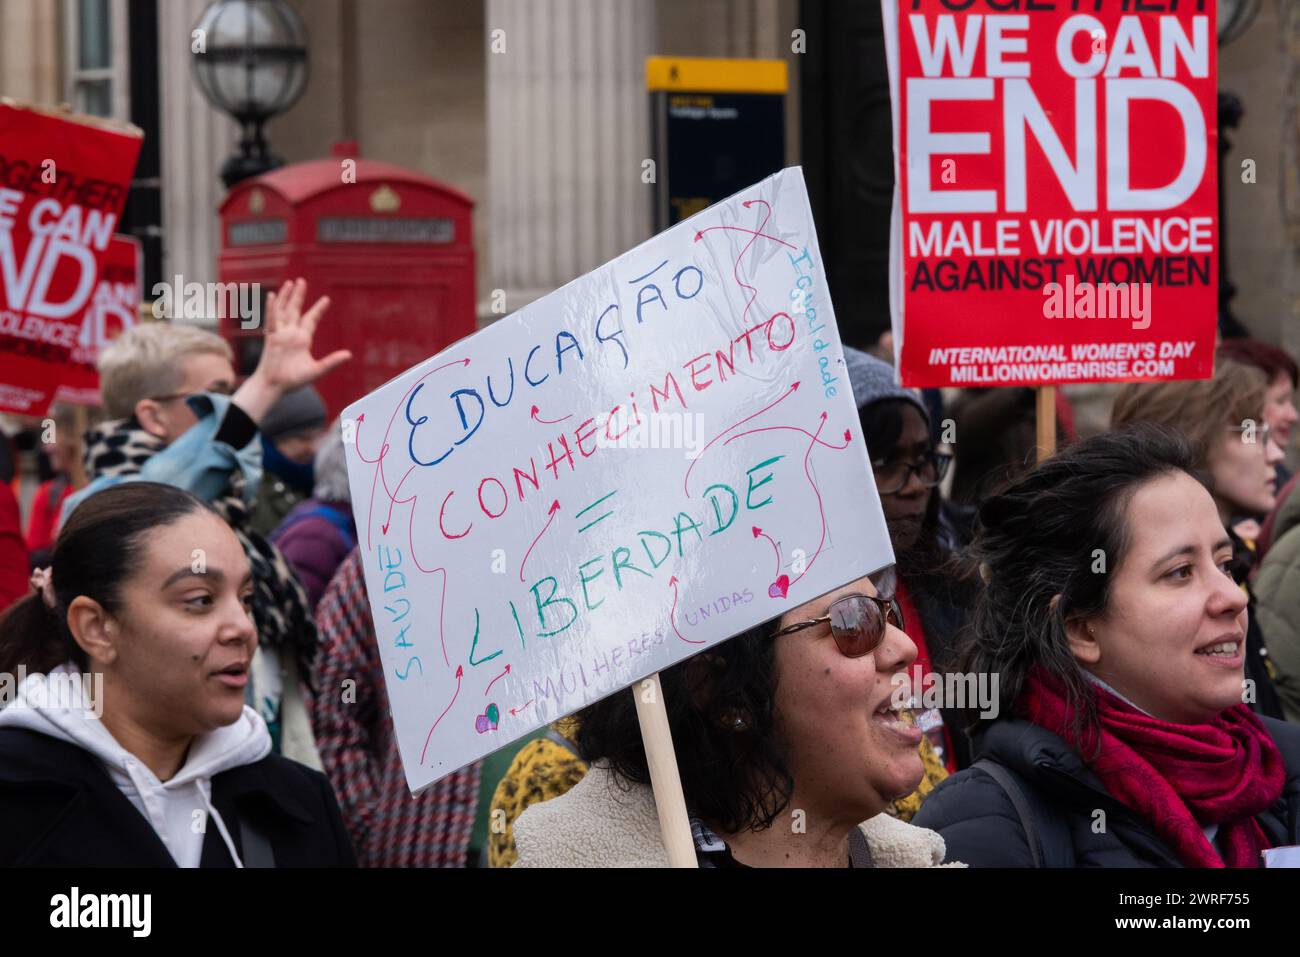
column 656, row 457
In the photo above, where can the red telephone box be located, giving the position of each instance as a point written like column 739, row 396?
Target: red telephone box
column 391, row 248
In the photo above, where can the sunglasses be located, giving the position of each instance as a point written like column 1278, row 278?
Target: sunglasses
column 857, row 623
column 220, row 388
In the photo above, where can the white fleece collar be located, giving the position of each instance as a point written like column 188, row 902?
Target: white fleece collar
column 597, row 823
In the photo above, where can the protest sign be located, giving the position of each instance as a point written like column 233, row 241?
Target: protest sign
column 63, row 183
column 1055, row 212
column 112, row 309
column 658, row 456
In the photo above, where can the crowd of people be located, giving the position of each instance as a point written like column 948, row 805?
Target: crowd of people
column 191, row 565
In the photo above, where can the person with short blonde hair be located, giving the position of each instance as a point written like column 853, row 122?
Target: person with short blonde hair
column 149, row 360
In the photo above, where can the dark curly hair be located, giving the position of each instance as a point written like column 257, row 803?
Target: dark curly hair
column 1039, row 538
column 735, row 778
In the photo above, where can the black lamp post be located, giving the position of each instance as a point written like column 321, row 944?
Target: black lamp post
column 250, row 62
column 1234, row 17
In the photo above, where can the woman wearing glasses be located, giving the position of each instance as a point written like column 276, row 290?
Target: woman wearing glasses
column 1118, row 636
column 790, row 741
column 1223, row 419
column 908, row 469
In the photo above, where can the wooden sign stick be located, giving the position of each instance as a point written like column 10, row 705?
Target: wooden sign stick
column 674, row 822
column 1046, row 422
column 77, row 467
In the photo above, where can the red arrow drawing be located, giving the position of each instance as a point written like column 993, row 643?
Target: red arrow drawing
column 515, row 711
column 383, row 445
column 356, row 440
column 460, row 672
column 672, row 616
column 742, row 229
column 735, row 268
column 495, row 680
column 820, row 508
column 686, row 482
column 759, row 533
column 394, row 500
column 793, row 428
column 537, row 418
column 555, row 507
column 442, row 604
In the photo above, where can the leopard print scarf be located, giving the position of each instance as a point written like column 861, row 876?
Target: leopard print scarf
column 121, row 448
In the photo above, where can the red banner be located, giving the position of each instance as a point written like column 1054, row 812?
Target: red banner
column 63, row 183
column 1056, row 209
column 113, row 308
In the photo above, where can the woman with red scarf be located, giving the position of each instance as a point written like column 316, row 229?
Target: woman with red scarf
column 1110, row 619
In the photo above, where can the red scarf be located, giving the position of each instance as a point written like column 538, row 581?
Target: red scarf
column 1179, row 778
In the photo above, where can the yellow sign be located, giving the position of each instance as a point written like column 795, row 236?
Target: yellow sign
column 696, row 74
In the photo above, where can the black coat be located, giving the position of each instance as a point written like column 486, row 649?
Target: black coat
column 60, row 808
column 980, row 826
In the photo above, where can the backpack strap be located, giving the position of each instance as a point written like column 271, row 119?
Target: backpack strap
column 1046, row 830
column 556, row 738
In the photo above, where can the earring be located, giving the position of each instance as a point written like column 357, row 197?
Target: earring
column 734, row 721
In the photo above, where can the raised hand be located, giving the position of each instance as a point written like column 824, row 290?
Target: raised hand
column 287, row 362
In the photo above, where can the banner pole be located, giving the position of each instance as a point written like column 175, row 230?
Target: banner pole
column 1046, row 422
column 674, row 822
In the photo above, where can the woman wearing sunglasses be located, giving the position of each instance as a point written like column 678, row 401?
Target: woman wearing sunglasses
column 908, row 470
column 1112, row 622
column 790, row 742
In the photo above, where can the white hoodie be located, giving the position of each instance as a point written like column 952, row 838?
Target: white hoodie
column 167, row 805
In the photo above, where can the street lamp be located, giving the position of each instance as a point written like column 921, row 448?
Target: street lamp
column 250, row 61
column 1234, row 17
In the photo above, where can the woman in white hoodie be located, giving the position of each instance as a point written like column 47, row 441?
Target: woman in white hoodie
column 124, row 737
column 791, row 739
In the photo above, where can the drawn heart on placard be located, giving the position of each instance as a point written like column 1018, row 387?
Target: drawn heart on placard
column 779, row 587
column 488, row 720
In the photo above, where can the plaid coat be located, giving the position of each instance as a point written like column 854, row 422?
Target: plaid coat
column 389, row 828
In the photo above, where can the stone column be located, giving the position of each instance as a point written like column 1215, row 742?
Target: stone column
column 196, row 140
column 568, row 129
column 1290, row 130
column 31, row 51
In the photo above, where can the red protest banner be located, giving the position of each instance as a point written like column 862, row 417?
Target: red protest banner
column 113, row 308
column 63, row 183
column 1056, row 213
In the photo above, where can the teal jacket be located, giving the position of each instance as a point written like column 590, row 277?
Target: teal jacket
column 195, row 462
